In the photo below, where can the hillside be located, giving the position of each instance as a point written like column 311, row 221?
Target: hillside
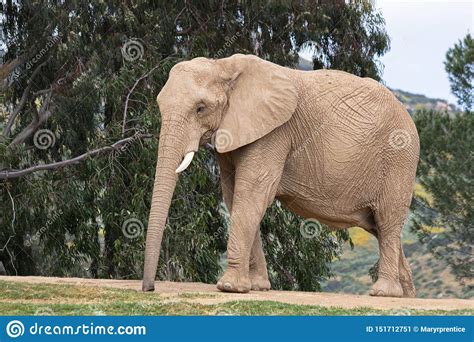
column 418, row 101
column 432, row 277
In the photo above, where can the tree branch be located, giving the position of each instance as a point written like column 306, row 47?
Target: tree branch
column 21, row 104
column 124, row 120
column 8, row 174
column 8, row 67
column 42, row 115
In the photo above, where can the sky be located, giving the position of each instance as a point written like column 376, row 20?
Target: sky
column 421, row 32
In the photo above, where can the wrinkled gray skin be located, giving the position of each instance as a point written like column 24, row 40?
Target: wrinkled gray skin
column 327, row 144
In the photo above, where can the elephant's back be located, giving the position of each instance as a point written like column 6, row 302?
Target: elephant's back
column 338, row 98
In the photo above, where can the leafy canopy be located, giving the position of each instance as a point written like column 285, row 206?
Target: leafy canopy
column 459, row 65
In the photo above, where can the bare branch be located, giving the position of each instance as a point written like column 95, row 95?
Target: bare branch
column 43, row 114
column 130, row 93
column 8, row 67
column 8, row 174
column 21, row 104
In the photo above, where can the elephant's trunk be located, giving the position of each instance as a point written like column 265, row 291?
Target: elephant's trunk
column 169, row 157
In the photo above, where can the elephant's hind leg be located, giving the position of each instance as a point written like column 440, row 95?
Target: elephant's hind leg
column 390, row 212
column 406, row 279
column 258, row 266
column 389, row 225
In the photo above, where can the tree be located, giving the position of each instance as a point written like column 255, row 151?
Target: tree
column 88, row 72
column 459, row 65
column 444, row 220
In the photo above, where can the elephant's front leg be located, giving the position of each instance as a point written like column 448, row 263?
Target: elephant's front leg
column 249, row 204
column 257, row 265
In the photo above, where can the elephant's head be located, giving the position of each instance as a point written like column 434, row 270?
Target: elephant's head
column 234, row 100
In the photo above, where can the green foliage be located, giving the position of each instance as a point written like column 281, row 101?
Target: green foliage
column 446, row 172
column 348, row 38
column 459, row 65
column 71, row 221
column 298, row 261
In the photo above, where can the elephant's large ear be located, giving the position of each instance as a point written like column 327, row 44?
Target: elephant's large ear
column 261, row 98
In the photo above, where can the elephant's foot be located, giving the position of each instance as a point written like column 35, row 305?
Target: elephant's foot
column 259, row 275
column 408, row 289
column 386, row 288
column 259, row 283
column 232, row 281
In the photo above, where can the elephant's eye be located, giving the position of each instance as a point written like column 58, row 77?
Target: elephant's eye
column 200, row 109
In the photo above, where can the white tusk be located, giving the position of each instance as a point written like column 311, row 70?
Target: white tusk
column 188, row 158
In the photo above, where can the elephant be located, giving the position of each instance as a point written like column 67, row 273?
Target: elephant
column 328, row 145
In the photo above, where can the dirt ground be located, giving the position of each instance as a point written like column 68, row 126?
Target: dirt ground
column 210, row 295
